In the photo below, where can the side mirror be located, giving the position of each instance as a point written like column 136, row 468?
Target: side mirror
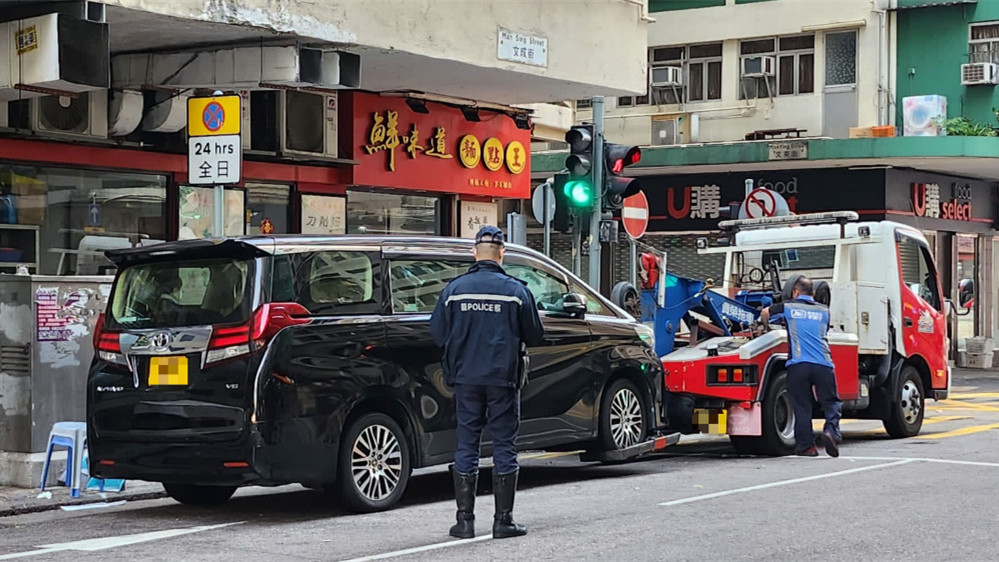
column 574, row 304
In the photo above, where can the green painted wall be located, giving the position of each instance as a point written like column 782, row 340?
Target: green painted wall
column 670, row 5
column 932, row 46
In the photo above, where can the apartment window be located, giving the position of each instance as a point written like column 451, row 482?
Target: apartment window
column 704, row 72
column 584, row 104
column 984, row 43
column 700, row 72
column 841, row 58
column 794, row 58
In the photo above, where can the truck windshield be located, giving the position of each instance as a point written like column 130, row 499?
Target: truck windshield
column 751, row 269
column 182, row 293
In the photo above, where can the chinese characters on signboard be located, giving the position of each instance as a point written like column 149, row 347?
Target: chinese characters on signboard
column 476, row 215
column 322, row 214
column 525, row 49
column 384, row 136
column 697, row 202
column 927, row 202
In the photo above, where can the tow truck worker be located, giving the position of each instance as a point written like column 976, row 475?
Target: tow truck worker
column 483, row 320
column 810, row 364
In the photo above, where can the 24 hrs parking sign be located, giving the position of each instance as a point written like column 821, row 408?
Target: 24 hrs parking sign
column 214, row 147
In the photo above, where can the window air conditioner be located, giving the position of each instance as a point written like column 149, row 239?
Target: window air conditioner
column 666, row 76
column 758, row 67
column 85, row 116
column 978, row 73
column 308, row 124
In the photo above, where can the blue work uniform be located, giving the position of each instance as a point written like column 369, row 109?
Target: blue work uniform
column 809, row 364
column 483, row 320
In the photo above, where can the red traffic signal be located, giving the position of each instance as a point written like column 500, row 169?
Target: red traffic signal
column 617, row 162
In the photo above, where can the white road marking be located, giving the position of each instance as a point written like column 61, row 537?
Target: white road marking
column 784, row 483
column 943, row 461
column 417, row 549
column 91, row 545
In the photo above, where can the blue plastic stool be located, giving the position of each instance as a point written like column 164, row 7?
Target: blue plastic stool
column 73, row 436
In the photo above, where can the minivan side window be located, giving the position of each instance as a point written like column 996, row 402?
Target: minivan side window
column 593, row 304
column 416, row 285
column 337, row 282
column 918, row 272
column 547, row 288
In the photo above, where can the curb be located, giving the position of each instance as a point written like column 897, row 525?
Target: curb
column 8, row 512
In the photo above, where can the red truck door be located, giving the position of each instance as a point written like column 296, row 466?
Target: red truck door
column 924, row 324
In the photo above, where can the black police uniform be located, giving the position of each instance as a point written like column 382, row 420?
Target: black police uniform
column 483, row 320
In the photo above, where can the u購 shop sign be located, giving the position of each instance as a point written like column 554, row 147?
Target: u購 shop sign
column 438, row 151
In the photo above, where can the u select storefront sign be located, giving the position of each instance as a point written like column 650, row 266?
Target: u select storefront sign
column 439, row 151
column 928, row 201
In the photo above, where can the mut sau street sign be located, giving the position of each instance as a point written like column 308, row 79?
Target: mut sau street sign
column 635, row 215
column 214, row 148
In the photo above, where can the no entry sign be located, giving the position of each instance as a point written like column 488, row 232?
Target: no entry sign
column 635, row 215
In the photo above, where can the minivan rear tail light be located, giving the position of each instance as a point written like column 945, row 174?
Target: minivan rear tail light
column 233, row 341
column 107, row 344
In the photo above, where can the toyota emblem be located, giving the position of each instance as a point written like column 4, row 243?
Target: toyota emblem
column 160, row 340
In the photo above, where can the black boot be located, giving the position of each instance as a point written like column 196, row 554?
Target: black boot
column 464, row 495
column 504, row 489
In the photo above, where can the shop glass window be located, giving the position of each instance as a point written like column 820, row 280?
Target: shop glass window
column 324, row 214
column 841, row 58
column 967, row 273
column 390, row 213
column 547, row 288
column 339, row 282
column 196, row 208
column 57, row 221
column 416, row 285
column 917, row 271
column 267, row 202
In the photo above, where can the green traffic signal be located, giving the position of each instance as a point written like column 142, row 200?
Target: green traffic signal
column 580, row 193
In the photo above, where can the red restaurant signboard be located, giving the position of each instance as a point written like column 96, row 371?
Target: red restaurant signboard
column 437, row 151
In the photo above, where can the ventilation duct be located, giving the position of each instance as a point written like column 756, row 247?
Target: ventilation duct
column 53, row 55
column 239, row 68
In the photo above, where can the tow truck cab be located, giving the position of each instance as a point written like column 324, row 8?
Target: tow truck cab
column 888, row 333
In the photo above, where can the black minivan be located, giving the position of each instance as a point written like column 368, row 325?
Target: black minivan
column 276, row 360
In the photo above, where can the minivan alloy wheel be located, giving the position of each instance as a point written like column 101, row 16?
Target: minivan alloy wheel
column 376, row 462
column 626, row 418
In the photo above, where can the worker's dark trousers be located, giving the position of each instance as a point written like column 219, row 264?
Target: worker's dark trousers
column 801, row 377
column 475, row 404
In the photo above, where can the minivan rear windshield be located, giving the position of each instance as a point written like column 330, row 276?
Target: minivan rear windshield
column 182, row 293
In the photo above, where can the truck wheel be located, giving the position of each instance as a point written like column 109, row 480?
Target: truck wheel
column 907, row 405
column 374, row 464
column 626, row 296
column 777, row 422
column 191, row 494
column 623, row 416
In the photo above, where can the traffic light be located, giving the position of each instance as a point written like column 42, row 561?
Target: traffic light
column 617, row 188
column 580, row 187
column 562, row 221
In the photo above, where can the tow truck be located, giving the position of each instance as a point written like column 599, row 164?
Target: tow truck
column 725, row 373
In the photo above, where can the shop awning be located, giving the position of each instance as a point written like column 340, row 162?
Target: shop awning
column 909, row 4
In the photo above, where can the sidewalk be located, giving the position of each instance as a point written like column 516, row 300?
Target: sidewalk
column 17, row 501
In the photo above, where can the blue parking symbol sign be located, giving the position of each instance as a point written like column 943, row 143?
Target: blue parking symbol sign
column 94, row 215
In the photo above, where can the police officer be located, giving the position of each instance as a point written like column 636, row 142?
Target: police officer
column 810, row 364
column 483, row 320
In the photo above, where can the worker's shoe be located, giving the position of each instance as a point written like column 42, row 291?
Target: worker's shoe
column 809, row 452
column 504, row 489
column 831, row 443
column 464, row 495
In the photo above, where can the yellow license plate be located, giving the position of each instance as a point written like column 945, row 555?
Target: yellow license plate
column 168, row 371
column 714, row 422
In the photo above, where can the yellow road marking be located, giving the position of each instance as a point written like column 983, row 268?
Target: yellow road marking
column 962, row 431
column 545, row 456
column 969, row 395
column 927, row 421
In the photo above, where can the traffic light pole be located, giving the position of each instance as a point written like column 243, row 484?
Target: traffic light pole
column 598, row 190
